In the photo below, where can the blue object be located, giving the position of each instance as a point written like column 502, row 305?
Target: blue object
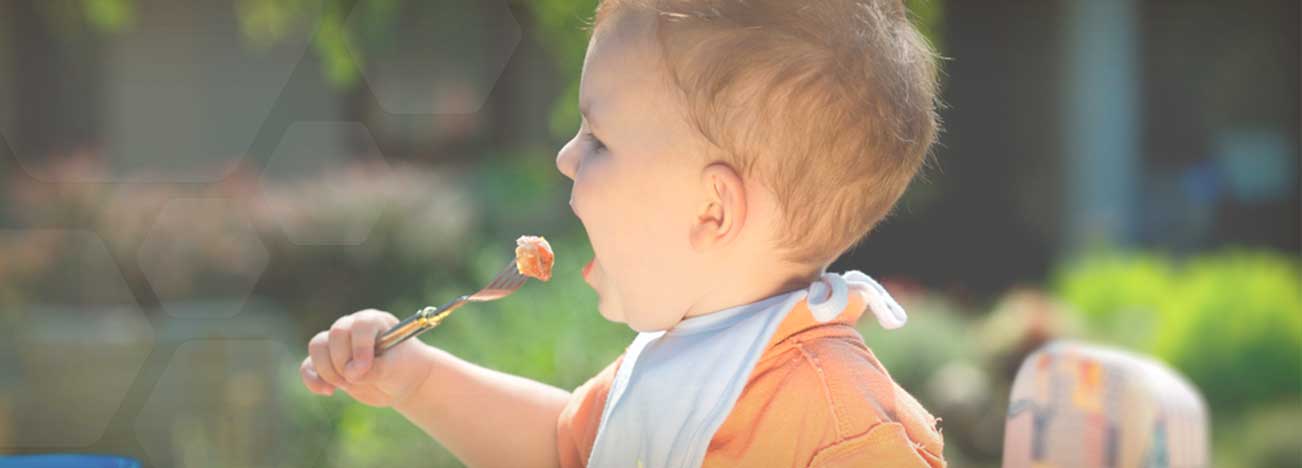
column 67, row 461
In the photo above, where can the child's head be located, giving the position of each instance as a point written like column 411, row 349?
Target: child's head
column 726, row 143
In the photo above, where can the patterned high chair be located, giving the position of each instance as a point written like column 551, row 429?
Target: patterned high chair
column 1075, row 405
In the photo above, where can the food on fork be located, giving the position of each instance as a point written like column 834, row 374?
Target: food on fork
column 534, row 257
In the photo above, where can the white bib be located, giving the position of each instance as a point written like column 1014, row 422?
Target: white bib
column 674, row 388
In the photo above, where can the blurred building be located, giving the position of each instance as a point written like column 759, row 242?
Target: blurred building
column 1075, row 125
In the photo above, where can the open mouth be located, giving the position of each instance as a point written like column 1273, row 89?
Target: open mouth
column 587, row 269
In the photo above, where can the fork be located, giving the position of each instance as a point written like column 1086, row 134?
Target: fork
column 506, row 282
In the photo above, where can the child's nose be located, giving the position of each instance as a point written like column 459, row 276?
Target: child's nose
column 567, row 160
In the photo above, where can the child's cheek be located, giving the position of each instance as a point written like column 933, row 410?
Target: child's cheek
column 586, row 191
column 594, row 203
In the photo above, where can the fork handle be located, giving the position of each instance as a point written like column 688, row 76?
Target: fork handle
column 409, row 327
column 417, row 323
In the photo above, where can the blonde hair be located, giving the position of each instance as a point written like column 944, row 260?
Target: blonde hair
column 833, row 102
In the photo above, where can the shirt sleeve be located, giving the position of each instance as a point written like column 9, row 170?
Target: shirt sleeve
column 576, row 428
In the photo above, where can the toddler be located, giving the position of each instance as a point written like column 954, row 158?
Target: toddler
column 729, row 151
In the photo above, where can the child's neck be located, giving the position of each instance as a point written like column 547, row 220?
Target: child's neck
column 752, row 284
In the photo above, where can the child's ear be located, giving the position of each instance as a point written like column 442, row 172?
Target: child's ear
column 723, row 209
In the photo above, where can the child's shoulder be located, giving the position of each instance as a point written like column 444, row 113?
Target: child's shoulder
column 835, row 365
column 827, row 382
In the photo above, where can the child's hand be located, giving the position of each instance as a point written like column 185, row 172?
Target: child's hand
column 344, row 358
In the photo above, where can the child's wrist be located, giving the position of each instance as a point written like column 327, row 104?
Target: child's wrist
column 427, row 360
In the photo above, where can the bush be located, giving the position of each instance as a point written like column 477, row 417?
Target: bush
column 1231, row 321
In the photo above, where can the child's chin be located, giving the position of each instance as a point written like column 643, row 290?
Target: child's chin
column 609, row 311
column 642, row 324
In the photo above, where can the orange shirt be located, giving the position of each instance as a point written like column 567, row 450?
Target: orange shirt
column 816, row 398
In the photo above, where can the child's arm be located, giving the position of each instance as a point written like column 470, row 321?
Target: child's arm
column 485, row 417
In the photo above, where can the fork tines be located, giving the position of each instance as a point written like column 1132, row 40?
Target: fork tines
column 506, row 282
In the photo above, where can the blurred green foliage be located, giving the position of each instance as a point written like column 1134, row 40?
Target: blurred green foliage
column 109, row 15
column 1231, row 321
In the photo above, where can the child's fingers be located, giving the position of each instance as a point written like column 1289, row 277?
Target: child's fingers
column 363, row 351
column 384, row 318
column 318, row 351
column 313, row 381
column 341, row 343
column 367, row 326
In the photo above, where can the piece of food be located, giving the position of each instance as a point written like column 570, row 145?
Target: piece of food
column 534, row 257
